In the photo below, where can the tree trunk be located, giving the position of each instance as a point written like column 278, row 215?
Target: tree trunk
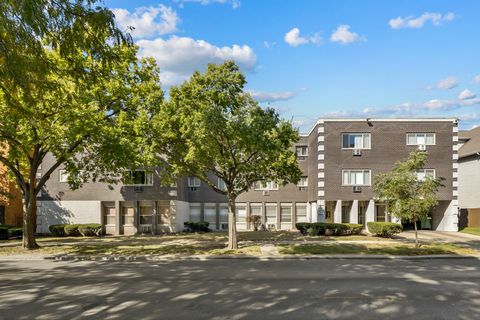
column 29, row 217
column 232, row 224
column 416, row 234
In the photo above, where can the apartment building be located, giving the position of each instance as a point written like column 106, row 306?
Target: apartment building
column 338, row 158
column 10, row 200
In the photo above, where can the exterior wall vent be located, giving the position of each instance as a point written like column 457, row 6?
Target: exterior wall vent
column 266, row 192
column 357, row 189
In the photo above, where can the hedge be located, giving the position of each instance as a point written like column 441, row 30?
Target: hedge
column 384, row 229
column 57, row 230
column 86, row 230
column 196, row 226
column 15, row 232
column 90, row 230
column 335, row 229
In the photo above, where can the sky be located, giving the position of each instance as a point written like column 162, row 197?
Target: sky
column 310, row 59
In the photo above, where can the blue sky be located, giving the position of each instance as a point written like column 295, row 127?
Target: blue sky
column 324, row 58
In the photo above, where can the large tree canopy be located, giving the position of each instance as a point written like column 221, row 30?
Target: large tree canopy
column 408, row 197
column 70, row 85
column 211, row 126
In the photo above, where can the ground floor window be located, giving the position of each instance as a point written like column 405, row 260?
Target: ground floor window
column 301, row 212
column 380, row 213
column 128, row 214
column 163, row 214
column 256, row 210
column 223, row 217
column 271, row 214
column 146, row 215
column 109, row 216
column 195, row 211
column 286, row 213
column 241, row 213
column 211, row 215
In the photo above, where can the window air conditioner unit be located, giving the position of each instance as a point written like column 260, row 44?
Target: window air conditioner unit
column 357, row 152
column 193, row 188
column 138, row 189
column 271, row 226
column 266, row 192
column 422, row 147
column 357, row 189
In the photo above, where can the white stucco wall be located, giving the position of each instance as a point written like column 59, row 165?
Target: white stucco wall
column 63, row 212
column 469, row 183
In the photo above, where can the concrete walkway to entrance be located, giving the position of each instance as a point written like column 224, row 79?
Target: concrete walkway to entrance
column 429, row 236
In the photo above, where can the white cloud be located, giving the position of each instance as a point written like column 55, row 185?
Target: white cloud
column 447, row 83
column 272, row 96
column 235, row 3
column 418, row 22
column 477, row 79
column 178, row 57
column 466, row 95
column 148, row 21
column 343, row 35
column 294, row 39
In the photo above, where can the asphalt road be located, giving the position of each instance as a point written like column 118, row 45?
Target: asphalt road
column 241, row 289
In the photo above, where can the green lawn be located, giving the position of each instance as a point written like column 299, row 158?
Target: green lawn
column 363, row 249
column 471, row 230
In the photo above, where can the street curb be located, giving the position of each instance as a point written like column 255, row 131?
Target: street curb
column 259, row 258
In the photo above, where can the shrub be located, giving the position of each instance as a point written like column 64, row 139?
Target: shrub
column 57, row 230
column 71, row 230
column 15, row 232
column 3, row 233
column 90, row 229
column 255, row 220
column 384, row 229
column 336, row 229
column 302, row 227
column 196, row 226
column 353, row 228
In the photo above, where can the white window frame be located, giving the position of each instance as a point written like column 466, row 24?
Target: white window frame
column 303, row 182
column 62, row 175
column 362, row 147
column 301, row 146
column 192, row 182
column 424, row 134
column 424, row 171
column 348, row 184
column 266, row 185
column 148, row 176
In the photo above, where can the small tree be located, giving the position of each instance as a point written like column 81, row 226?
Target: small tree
column 407, row 197
column 211, row 126
column 255, row 221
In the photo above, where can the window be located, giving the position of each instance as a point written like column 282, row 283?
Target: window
column 356, row 177
column 271, row 214
column 285, row 213
column 303, row 182
column 210, row 215
column 301, row 151
column 146, row 215
column 423, row 173
column 221, row 184
column 256, row 210
column 301, row 213
column 128, row 215
column 62, row 175
column 109, row 215
column 414, row 139
column 266, row 185
column 356, row 141
column 241, row 213
column 193, row 182
column 139, row 178
column 163, row 214
column 195, row 213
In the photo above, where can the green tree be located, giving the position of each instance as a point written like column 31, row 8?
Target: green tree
column 210, row 126
column 70, row 85
column 407, row 197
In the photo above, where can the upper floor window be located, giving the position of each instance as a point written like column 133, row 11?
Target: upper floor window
column 139, row 178
column 423, row 173
column 221, row 184
column 193, row 182
column 356, row 141
column 265, row 185
column 62, row 175
column 418, row 139
column 302, row 151
column 303, row 182
column 356, row 177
